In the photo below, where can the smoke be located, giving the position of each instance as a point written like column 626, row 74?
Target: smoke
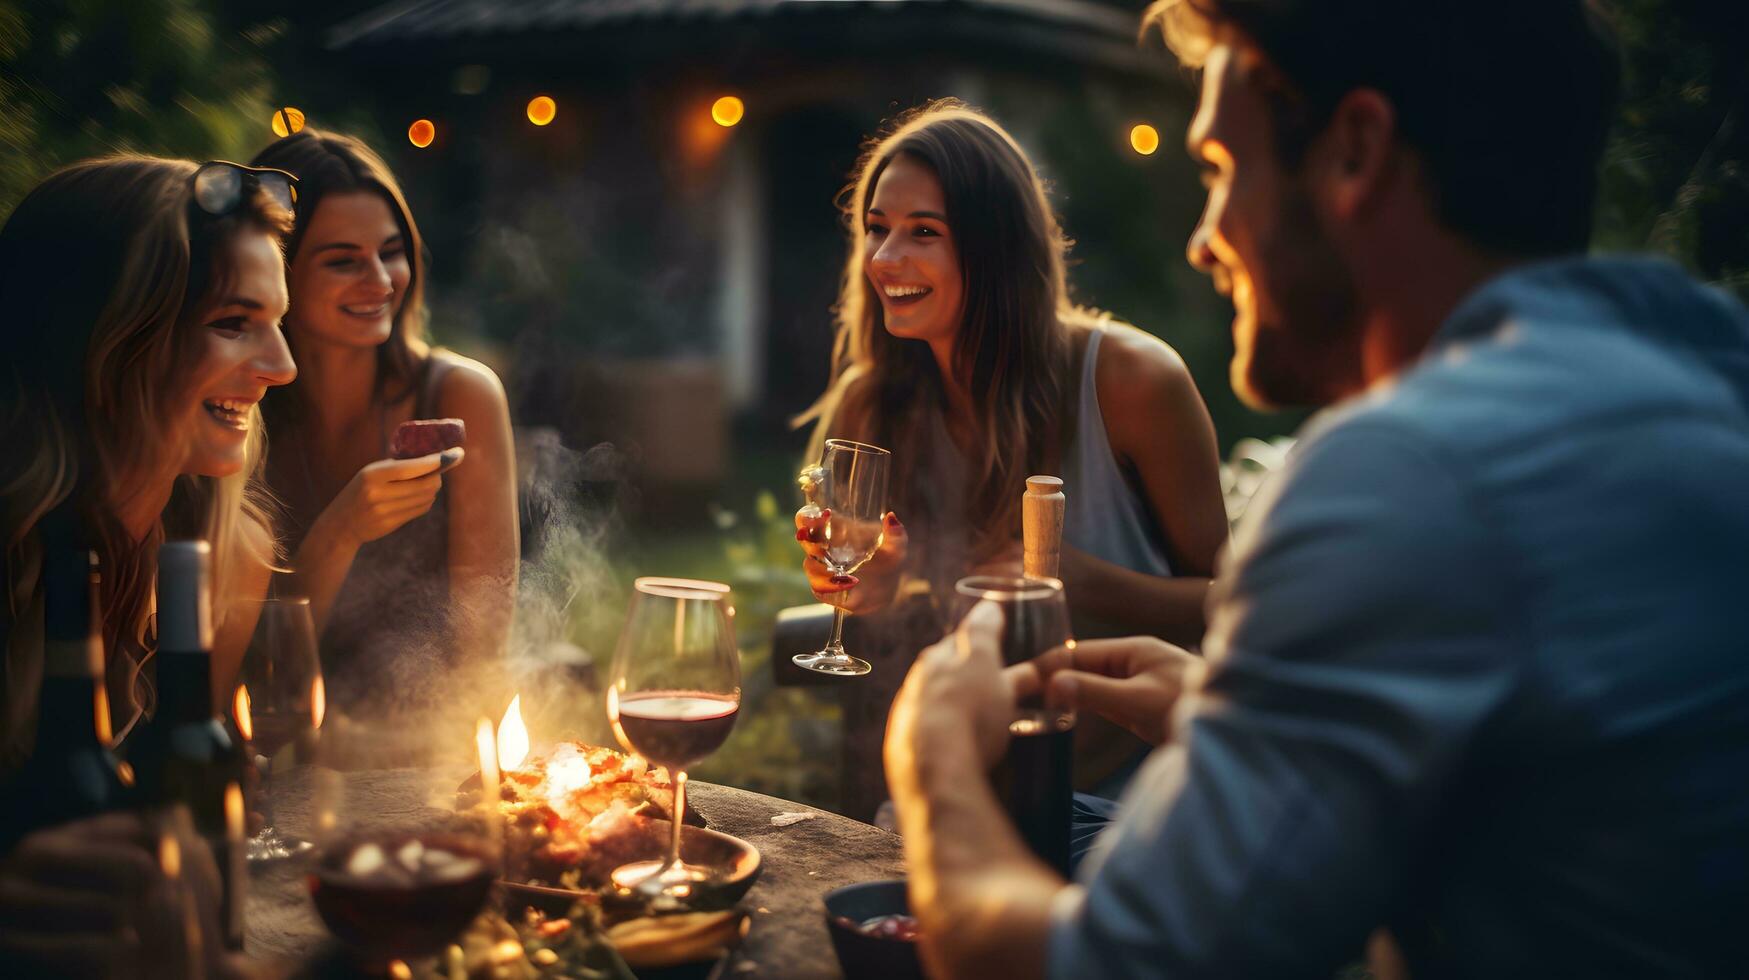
column 402, row 687
column 567, row 601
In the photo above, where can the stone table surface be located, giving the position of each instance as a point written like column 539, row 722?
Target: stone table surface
column 801, row 862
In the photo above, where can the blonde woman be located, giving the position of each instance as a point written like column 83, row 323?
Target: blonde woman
column 141, row 331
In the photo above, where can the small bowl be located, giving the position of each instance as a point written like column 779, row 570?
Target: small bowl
column 865, row 957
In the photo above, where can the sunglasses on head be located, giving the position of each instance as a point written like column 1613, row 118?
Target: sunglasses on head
column 219, row 186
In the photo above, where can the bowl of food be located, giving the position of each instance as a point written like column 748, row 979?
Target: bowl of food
column 401, row 895
column 873, row 931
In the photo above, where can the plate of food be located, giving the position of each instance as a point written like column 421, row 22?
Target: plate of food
column 578, row 812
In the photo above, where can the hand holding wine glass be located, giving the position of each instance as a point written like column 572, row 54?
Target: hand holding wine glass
column 672, row 697
column 280, row 697
column 849, row 488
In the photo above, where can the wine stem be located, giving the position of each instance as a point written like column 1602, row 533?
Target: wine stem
column 679, row 818
column 835, row 646
column 266, row 766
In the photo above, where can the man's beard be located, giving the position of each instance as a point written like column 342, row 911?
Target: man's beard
column 1304, row 350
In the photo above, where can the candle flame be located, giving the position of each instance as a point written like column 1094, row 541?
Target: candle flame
column 487, row 746
column 169, row 856
column 318, row 701
column 512, row 737
column 240, row 711
column 233, row 812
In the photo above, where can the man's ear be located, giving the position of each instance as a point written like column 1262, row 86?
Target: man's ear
column 1353, row 159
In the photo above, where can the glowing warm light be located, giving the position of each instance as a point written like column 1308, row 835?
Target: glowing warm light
column 399, row 970
column 169, row 856
column 240, row 711
column 1144, row 139
column 233, row 812
column 542, row 109
column 318, row 702
column 567, row 772
column 287, row 121
column 488, row 748
column 100, row 704
column 512, row 737
column 728, row 110
column 421, row 133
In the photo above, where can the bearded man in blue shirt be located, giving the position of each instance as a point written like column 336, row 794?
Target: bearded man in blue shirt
column 1476, row 678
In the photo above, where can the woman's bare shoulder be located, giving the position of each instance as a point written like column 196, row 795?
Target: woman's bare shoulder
column 1145, row 388
column 468, row 384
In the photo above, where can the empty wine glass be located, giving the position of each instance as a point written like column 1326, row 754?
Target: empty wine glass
column 279, row 698
column 672, row 698
column 852, row 495
column 1035, row 621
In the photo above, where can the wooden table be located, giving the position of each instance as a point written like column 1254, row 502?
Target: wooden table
column 801, row 862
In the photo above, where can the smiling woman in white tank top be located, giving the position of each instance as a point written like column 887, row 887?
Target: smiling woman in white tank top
column 957, row 348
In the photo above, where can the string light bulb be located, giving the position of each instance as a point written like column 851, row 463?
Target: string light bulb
column 287, row 120
column 728, row 110
column 1144, row 139
column 542, row 109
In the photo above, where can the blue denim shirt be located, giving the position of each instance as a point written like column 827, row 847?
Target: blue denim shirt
column 1479, row 669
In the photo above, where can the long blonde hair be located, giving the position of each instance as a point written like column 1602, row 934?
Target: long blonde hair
column 1013, row 342
column 106, row 268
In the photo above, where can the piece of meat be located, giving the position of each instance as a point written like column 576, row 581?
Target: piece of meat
column 422, row 437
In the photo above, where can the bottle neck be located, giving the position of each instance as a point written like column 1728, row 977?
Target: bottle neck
column 184, row 687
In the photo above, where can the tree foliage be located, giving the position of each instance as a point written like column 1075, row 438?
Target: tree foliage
column 82, row 78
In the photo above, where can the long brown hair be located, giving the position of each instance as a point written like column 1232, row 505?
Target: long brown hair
column 332, row 163
column 1013, row 344
column 106, row 268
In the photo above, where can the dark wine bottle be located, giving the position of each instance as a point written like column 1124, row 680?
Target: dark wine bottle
column 185, row 755
column 1034, row 780
column 71, row 772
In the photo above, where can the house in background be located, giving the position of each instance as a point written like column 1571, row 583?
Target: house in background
column 642, row 273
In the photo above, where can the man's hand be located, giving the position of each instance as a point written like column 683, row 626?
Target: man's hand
column 92, row 898
column 956, row 691
column 1134, row 680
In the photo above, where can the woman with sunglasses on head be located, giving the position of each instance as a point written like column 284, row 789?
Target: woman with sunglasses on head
column 142, row 329
column 958, row 349
column 410, row 566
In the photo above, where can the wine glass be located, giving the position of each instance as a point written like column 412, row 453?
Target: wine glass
column 672, row 698
column 393, row 881
column 279, row 698
column 852, row 492
column 1035, row 621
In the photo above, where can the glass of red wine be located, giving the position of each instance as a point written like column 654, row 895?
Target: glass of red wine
column 849, row 488
column 279, row 699
column 1035, row 621
column 672, row 698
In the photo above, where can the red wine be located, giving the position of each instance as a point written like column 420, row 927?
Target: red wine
column 397, row 896
column 676, row 728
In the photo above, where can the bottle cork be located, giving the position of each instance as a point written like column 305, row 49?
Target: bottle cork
column 1041, row 526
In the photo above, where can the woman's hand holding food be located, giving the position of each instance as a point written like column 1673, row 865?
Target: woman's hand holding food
column 387, row 494
column 872, row 586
